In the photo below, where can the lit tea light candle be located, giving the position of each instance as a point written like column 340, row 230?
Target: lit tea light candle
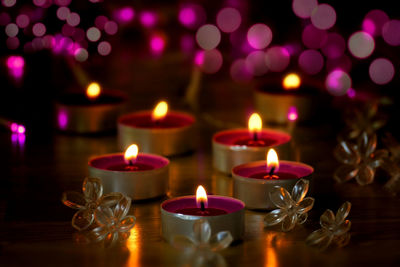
column 237, row 146
column 138, row 175
column 223, row 213
column 253, row 181
column 158, row 131
column 94, row 111
column 275, row 99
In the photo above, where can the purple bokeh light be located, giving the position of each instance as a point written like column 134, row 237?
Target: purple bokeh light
column 391, row 32
column 15, row 66
column 148, row 19
column 335, row 46
column 314, row 38
column 259, row 36
column 157, row 44
column 228, row 19
column 304, row 8
column 338, row 83
column 311, row 61
column 381, row 71
column 277, row 58
column 374, row 21
column 125, row 14
column 323, row 16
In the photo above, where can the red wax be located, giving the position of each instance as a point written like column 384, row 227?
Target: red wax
column 130, row 168
column 145, row 120
column 275, row 176
column 254, row 143
column 199, row 212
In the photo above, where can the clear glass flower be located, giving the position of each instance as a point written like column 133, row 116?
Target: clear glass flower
column 365, row 119
column 359, row 160
column 334, row 229
column 391, row 164
column 292, row 208
column 200, row 249
column 85, row 203
column 113, row 223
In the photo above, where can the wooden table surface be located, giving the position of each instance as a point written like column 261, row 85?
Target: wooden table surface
column 35, row 227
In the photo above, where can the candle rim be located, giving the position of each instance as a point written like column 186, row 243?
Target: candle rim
column 286, row 137
column 120, row 97
column 307, row 169
column 164, row 164
column 122, row 120
column 211, row 198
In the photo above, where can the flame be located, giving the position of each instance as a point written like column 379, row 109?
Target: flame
column 291, row 81
column 93, row 90
column 201, row 196
column 272, row 160
column 255, row 123
column 160, row 111
column 131, row 153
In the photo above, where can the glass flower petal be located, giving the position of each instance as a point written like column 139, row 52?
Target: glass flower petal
column 281, row 197
column 300, row 190
column 73, row 200
column 221, row 241
column 82, row 219
column 92, row 188
column 274, row 217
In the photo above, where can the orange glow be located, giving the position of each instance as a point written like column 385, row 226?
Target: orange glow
column 131, row 153
column 93, row 90
column 201, row 196
column 272, row 160
column 291, row 81
column 255, row 123
column 160, row 111
column 133, row 246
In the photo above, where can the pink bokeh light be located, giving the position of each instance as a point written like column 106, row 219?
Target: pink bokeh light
column 323, row 17
column 259, row 36
column 191, row 15
column 391, row 32
column 277, row 58
column 208, row 36
column 15, row 66
column 374, row 21
column 311, row 61
column 148, row 19
column 255, row 63
column 125, row 14
column 361, row 44
column 304, row 8
column 292, row 114
column 335, row 46
column 228, row 19
column 209, row 61
column 239, row 72
column 157, row 44
column 314, row 38
column 381, row 71
column 338, row 83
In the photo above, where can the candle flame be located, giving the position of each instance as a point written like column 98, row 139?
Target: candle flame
column 160, row 111
column 201, row 196
column 131, row 154
column 255, row 123
column 272, row 160
column 291, row 81
column 93, row 90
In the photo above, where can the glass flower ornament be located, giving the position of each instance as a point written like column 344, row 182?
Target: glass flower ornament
column 391, row 164
column 113, row 223
column 359, row 160
column 363, row 119
column 335, row 229
column 292, row 208
column 200, row 249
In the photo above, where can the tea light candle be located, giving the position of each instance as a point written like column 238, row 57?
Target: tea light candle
column 274, row 100
column 234, row 147
column 253, row 181
column 138, row 175
column 223, row 213
column 95, row 111
column 159, row 131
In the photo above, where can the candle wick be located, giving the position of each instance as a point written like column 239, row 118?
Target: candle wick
column 255, row 136
column 271, row 172
column 202, row 207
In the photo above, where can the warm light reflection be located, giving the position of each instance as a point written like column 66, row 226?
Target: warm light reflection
column 201, row 196
column 131, row 154
column 271, row 259
column 291, row 81
column 255, row 123
column 292, row 114
column 160, row 111
column 133, row 246
column 272, row 160
column 93, row 90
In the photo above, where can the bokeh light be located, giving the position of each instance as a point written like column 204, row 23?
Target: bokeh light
column 187, row 43
column 374, row 21
column 11, row 30
column 291, row 81
column 209, row 61
column 39, row 29
column 323, row 17
column 12, row 43
column 148, row 19
column 239, row 71
column 22, row 21
column 81, row 54
column 292, row 114
column 100, row 22
column 73, row 19
column 311, row 61
column 351, row 93
column 277, row 58
column 63, row 2
column 4, row 18
column 208, row 36
column 255, row 63
column 124, row 14
column 191, row 15
column 381, row 71
column 63, row 13
column 335, row 46
column 314, row 38
column 93, row 34
column 229, row 19
column 8, row 3
column 111, row 27
column 343, row 63
column 15, row 66
column 338, row 83
column 104, row 48
column 391, row 32
column 259, row 36
column 157, row 44
column 304, row 8
column 361, row 44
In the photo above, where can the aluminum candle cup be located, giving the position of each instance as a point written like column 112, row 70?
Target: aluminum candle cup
column 228, row 151
column 148, row 182
column 76, row 113
column 175, row 223
column 254, row 192
column 173, row 136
